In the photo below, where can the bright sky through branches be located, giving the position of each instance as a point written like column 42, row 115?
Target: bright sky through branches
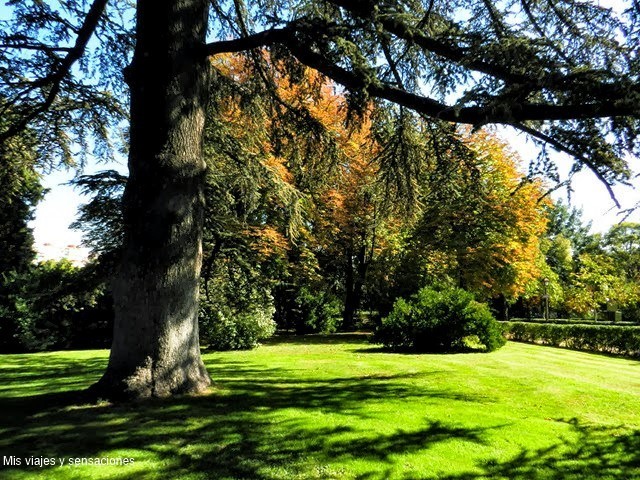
column 59, row 208
column 588, row 193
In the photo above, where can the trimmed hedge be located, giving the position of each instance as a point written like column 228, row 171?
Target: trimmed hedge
column 569, row 321
column 593, row 338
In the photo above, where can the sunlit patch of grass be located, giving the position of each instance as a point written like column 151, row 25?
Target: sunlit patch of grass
column 333, row 407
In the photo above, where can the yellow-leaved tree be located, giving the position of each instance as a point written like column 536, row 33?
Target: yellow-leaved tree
column 481, row 222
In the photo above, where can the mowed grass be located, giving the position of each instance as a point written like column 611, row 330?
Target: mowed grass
column 334, row 407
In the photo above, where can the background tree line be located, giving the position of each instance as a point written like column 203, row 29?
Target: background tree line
column 314, row 218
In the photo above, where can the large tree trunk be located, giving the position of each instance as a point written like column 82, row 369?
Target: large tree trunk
column 155, row 349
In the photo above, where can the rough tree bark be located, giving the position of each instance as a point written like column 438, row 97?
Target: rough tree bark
column 155, row 349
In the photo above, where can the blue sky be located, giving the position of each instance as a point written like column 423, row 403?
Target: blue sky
column 60, row 206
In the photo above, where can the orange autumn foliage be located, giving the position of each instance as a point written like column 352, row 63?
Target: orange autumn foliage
column 343, row 206
column 345, row 213
column 508, row 258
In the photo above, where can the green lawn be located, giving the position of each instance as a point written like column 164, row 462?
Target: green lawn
column 333, row 407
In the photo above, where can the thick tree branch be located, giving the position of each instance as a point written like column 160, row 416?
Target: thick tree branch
column 295, row 35
column 469, row 115
column 257, row 40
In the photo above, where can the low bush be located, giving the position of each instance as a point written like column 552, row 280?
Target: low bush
column 227, row 328
column 620, row 340
column 316, row 313
column 304, row 310
column 439, row 320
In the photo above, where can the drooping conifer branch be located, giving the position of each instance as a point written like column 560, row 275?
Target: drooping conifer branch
column 53, row 81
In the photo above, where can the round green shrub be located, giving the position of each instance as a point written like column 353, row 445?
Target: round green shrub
column 440, row 320
column 226, row 328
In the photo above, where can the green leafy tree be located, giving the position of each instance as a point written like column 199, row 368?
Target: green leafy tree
column 622, row 242
column 101, row 218
column 596, row 283
column 566, row 239
column 55, row 305
column 20, row 191
column 480, row 223
column 567, row 222
column 593, row 270
column 559, row 253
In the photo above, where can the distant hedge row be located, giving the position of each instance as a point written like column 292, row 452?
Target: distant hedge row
column 618, row 340
column 570, row 321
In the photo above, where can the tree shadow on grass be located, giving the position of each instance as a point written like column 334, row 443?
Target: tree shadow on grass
column 26, row 379
column 599, row 452
column 318, row 339
column 249, row 427
column 258, row 424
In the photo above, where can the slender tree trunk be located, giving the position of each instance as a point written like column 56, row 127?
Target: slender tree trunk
column 502, row 305
column 354, row 282
column 348, row 314
column 155, row 349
